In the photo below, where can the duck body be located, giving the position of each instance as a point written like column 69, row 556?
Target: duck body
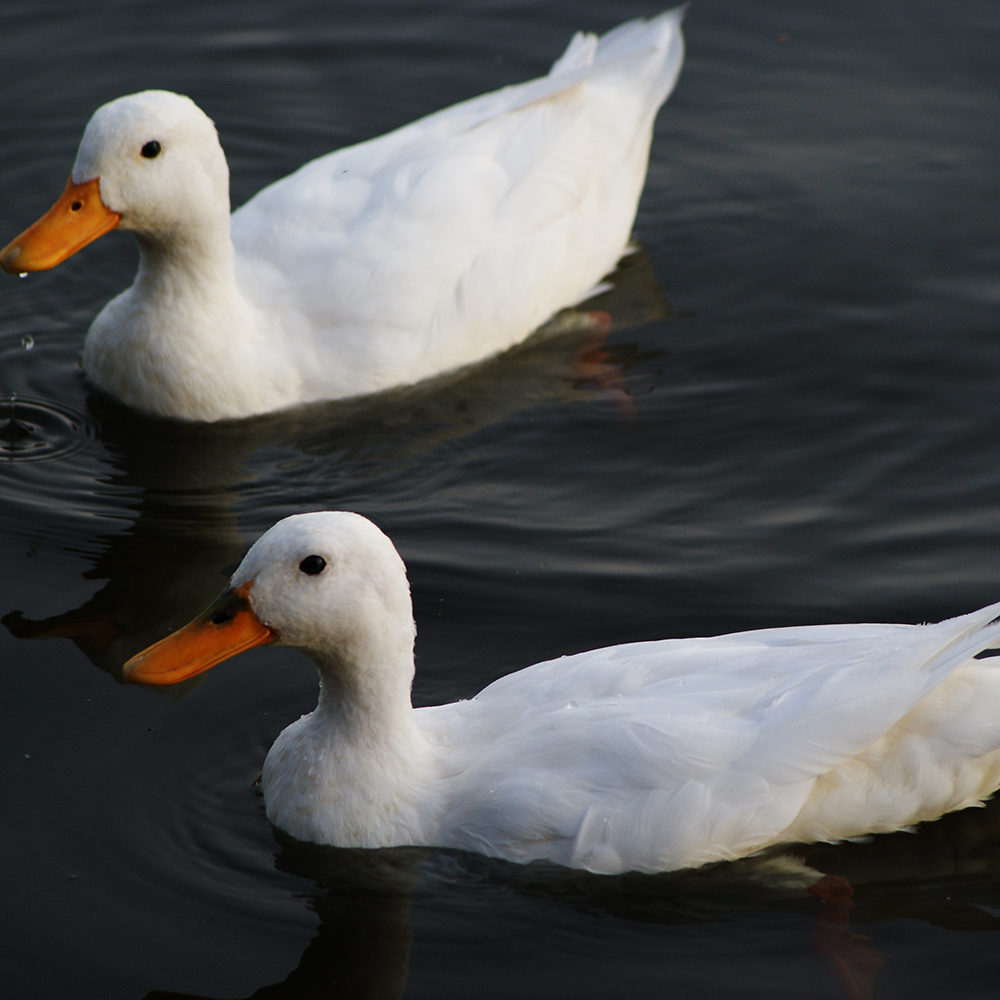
column 649, row 757
column 432, row 247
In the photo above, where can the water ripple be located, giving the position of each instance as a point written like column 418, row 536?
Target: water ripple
column 36, row 430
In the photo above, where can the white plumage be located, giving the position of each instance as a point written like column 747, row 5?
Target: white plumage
column 429, row 248
column 649, row 756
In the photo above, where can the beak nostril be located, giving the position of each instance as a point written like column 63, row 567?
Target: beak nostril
column 76, row 206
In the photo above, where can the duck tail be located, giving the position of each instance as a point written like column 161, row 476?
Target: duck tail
column 659, row 38
column 970, row 637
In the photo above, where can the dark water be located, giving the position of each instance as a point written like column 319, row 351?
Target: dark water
column 814, row 437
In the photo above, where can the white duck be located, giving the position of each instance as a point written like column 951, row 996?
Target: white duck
column 381, row 264
column 649, row 757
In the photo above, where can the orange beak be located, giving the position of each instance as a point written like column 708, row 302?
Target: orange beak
column 75, row 220
column 228, row 627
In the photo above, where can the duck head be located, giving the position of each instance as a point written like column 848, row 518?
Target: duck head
column 150, row 163
column 328, row 583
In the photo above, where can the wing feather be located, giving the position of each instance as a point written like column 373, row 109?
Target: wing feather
column 673, row 753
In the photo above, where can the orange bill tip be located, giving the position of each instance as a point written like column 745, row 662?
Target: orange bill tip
column 228, row 627
column 75, row 220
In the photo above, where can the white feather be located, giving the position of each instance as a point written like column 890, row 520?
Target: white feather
column 649, row 756
column 429, row 248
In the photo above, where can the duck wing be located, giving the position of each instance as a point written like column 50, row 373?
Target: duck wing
column 453, row 237
column 662, row 755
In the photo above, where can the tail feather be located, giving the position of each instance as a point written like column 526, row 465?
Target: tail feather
column 838, row 715
column 638, row 34
column 626, row 43
column 579, row 54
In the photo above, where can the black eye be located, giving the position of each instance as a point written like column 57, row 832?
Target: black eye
column 313, row 565
column 151, row 149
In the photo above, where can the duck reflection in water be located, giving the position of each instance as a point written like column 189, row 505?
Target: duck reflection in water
column 185, row 537
column 362, row 947
column 947, row 875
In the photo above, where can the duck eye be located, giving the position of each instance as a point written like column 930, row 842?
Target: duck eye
column 312, row 565
column 151, row 149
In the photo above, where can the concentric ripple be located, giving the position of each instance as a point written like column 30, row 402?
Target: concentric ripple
column 34, row 430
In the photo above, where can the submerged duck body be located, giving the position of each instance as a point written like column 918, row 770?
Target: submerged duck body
column 650, row 756
column 381, row 264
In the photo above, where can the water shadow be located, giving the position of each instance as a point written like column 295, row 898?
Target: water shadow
column 946, row 873
column 184, row 480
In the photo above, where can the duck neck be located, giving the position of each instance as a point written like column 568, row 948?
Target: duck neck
column 356, row 772
column 364, row 692
column 193, row 262
column 183, row 341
